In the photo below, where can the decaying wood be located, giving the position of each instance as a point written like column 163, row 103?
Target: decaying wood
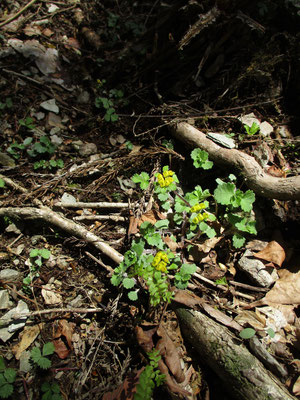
column 55, row 219
column 254, row 176
column 243, row 375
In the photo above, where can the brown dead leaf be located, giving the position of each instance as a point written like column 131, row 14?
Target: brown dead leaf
column 63, row 329
column 170, row 354
column 29, row 335
column 170, row 243
column 274, row 171
column 187, row 298
column 273, row 253
column 286, row 289
column 151, row 216
column 296, row 387
column 32, row 30
column 144, row 337
column 91, row 37
column 126, row 390
column 173, row 387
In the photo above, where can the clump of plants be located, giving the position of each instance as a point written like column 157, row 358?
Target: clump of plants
column 149, row 265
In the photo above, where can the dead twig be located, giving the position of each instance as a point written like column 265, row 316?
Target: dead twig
column 13, row 17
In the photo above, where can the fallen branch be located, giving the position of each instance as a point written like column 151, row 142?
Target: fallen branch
column 243, row 374
column 254, row 176
column 53, row 218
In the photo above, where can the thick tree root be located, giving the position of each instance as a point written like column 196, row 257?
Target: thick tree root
column 243, row 374
column 254, row 176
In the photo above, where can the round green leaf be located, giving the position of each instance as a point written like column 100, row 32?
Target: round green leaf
column 247, row 333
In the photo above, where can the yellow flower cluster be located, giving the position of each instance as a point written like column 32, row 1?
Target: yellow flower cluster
column 197, row 207
column 200, row 217
column 165, row 179
column 160, row 261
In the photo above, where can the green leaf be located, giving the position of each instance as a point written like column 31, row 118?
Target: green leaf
column 221, row 281
column 188, row 269
column 224, row 192
column 36, row 354
column 200, row 158
column 114, row 117
column 47, row 395
column 133, row 295
column 34, row 253
column 270, row 332
column 238, row 240
column 6, row 390
column 128, row 283
column 2, row 364
column 138, row 247
column 27, row 141
column 116, row 279
column 247, row 333
column 163, row 196
column 46, row 387
column 247, row 200
column 48, row 349
column 10, row 375
column 2, row 183
column 142, row 179
column 44, row 253
column 162, row 224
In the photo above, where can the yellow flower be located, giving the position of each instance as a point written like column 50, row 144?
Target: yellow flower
column 168, row 181
column 162, row 266
column 168, row 173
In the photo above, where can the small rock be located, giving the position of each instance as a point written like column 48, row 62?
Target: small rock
column 83, row 98
column 9, row 274
column 67, row 198
column 25, row 364
column 6, row 161
column 266, row 129
column 87, row 149
column 10, row 323
column 4, row 300
column 12, row 228
column 256, row 270
column 50, row 105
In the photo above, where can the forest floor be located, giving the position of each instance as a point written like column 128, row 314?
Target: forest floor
column 90, row 92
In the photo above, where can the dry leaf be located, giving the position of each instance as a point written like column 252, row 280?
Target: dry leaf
column 286, row 289
column 126, row 389
column 49, row 295
column 29, row 335
column 64, row 329
column 296, row 387
column 273, row 253
column 170, row 354
column 187, row 298
column 221, row 317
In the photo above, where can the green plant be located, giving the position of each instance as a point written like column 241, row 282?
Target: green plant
column 150, row 377
column 27, row 123
column 2, row 183
column 51, row 164
column 149, row 261
column 7, row 104
column 200, row 158
column 15, row 149
column 129, row 145
column 108, row 100
column 7, row 378
column 42, row 146
column 35, row 261
column 51, row 391
column 252, row 130
column 40, row 357
column 248, row 333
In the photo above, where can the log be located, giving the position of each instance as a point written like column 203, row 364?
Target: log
column 254, row 176
column 243, row 374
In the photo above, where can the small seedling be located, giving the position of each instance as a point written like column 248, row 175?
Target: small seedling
column 40, row 357
column 200, row 158
column 252, row 130
column 248, row 333
column 27, row 123
column 42, row 146
column 51, row 391
column 7, row 104
column 35, row 261
column 15, row 149
column 51, row 164
column 7, row 378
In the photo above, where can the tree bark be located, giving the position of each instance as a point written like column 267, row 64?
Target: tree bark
column 254, row 176
column 243, row 374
